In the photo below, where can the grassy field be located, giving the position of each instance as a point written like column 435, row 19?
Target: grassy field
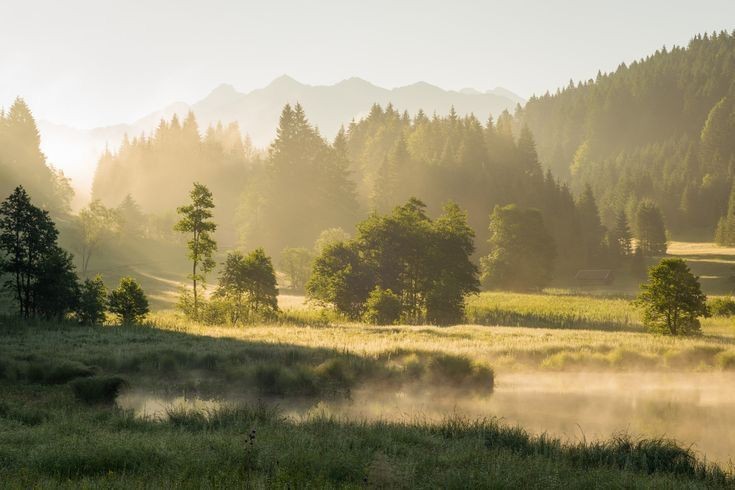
column 59, row 428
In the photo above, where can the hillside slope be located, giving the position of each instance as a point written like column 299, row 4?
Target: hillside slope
column 662, row 128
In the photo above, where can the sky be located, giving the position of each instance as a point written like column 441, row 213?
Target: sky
column 89, row 63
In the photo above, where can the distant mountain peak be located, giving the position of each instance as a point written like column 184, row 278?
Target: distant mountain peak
column 354, row 82
column 224, row 89
column 285, row 81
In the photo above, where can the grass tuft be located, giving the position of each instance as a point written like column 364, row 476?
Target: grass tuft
column 98, row 389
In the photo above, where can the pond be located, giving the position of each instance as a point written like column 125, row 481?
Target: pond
column 696, row 409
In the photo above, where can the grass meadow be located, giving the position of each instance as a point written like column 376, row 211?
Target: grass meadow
column 59, row 426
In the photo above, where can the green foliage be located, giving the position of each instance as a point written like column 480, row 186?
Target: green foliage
column 328, row 237
column 341, row 278
column 98, row 224
column 303, row 188
column 725, row 232
column 592, row 230
column 170, row 158
column 92, row 301
column 426, row 263
column 196, row 219
column 672, row 300
column 247, row 285
column 723, row 307
column 453, row 245
column 128, row 302
column 650, row 229
column 521, row 251
column 39, row 274
column 296, row 264
column 620, row 237
column 131, row 218
column 383, row 307
column 56, row 290
column 658, row 128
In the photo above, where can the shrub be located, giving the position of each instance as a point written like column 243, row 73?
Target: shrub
column 128, row 301
column 98, row 389
column 92, row 301
column 460, row 371
column 725, row 360
column 65, row 372
column 724, row 307
column 383, row 307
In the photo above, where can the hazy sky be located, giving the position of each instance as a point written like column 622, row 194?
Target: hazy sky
column 89, row 63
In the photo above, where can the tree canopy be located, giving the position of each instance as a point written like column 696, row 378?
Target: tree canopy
column 425, row 263
column 522, row 252
column 672, row 300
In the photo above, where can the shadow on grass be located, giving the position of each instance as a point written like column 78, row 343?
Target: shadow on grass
column 171, row 362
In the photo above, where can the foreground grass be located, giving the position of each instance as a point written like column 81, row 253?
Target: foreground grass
column 58, row 427
column 50, row 440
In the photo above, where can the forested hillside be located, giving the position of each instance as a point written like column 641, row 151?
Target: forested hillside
column 23, row 163
column 662, row 128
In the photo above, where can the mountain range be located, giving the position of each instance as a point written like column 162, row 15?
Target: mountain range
column 76, row 151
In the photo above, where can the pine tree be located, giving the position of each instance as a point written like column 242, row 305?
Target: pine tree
column 621, row 236
column 650, row 229
column 389, row 182
column 592, row 231
column 725, row 233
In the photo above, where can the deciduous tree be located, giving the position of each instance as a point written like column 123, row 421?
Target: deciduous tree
column 196, row 220
column 672, row 300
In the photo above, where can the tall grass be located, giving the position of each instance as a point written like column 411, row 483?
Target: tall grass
column 553, row 311
column 254, row 445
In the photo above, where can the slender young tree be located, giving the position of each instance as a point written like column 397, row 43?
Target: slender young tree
column 196, row 219
column 98, row 224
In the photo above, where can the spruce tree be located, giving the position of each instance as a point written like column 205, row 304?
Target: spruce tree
column 621, row 236
column 592, row 231
column 650, row 229
column 725, row 233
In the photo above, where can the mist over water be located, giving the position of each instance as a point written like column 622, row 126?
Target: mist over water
column 695, row 409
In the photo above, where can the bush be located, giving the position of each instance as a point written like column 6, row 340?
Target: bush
column 383, row 307
column 65, row 372
column 460, row 371
column 56, row 374
column 92, row 301
column 128, row 301
column 724, row 307
column 98, row 389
